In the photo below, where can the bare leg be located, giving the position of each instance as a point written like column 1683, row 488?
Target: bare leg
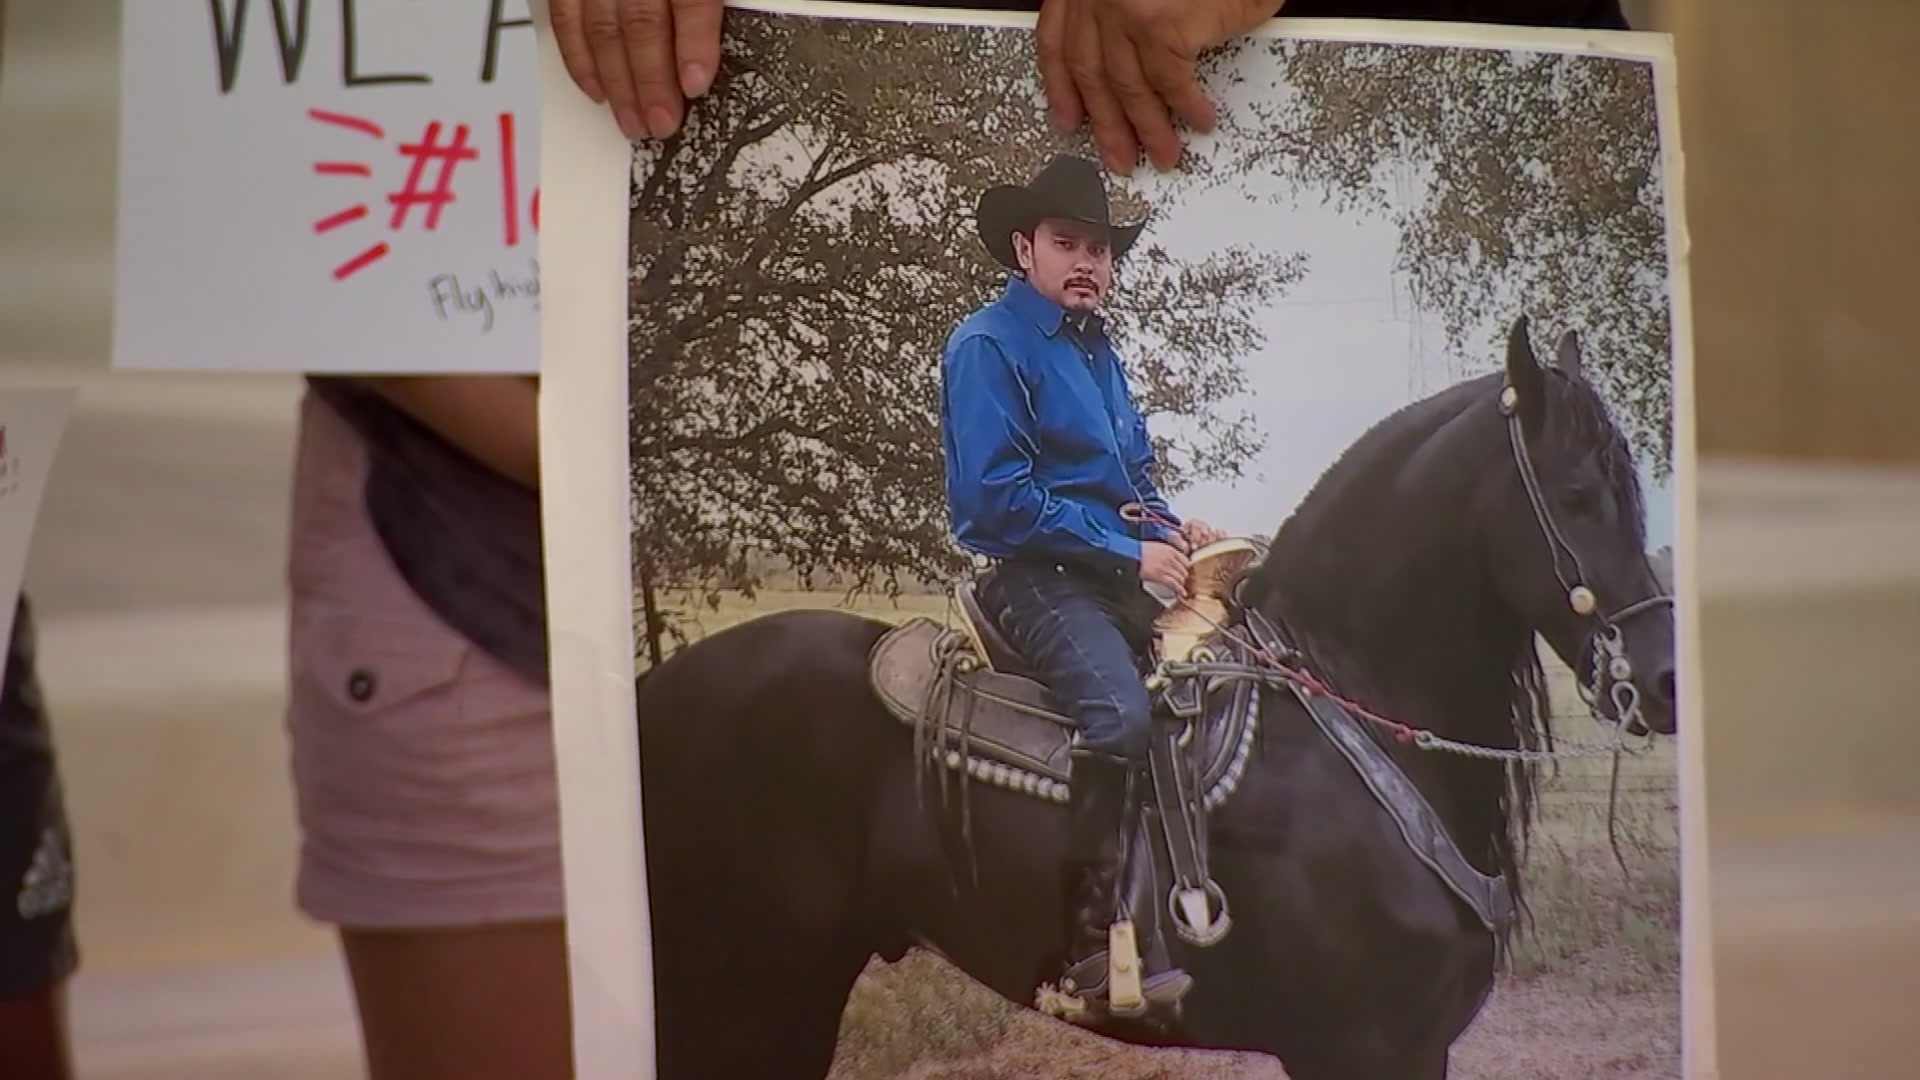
column 463, row 1004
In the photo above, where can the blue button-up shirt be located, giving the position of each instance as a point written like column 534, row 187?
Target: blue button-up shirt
column 1043, row 443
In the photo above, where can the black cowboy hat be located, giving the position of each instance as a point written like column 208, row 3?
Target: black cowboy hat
column 1069, row 187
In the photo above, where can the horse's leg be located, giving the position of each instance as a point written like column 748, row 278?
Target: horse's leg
column 758, row 754
column 1428, row 1062
column 780, row 1020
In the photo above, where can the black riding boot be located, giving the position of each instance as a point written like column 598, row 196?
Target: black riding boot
column 1104, row 798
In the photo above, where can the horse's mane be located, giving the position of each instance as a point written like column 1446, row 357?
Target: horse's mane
column 1581, row 425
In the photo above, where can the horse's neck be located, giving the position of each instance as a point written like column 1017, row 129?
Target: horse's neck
column 1428, row 649
column 1415, row 633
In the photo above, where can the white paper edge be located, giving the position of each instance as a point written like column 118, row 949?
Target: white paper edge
column 585, row 167
column 56, row 397
column 585, row 163
column 1699, row 1046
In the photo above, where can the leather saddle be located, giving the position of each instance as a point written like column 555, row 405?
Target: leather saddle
column 989, row 645
column 977, row 709
column 970, row 689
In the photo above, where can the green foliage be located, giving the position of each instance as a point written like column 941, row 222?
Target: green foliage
column 1537, row 181
column 800, row 255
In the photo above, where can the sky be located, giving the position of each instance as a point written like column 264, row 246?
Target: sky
column 1344, row 348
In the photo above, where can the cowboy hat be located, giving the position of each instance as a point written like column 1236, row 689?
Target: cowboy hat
column 1069, row 187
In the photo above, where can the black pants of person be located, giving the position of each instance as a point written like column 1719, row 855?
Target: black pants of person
column 1086, row 633
column 37, row 946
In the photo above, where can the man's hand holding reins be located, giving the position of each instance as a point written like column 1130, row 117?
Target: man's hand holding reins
column 1164, row 565
column 646, row 59
column 1199, row 534
column 1128, row 66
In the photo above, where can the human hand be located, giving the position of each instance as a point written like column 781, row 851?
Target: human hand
column 1164, row 565
column 645, row 58
column 1124, row 64
column 1199, row 534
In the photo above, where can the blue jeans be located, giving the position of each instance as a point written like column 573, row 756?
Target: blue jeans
column 1085, row 634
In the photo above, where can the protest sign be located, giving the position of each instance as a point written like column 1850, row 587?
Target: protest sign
column 922, row 416
column 331, row 186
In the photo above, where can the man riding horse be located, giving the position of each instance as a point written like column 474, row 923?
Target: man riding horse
column 1049, row 475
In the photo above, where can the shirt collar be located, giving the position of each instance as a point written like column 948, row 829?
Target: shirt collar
column 1027, row 302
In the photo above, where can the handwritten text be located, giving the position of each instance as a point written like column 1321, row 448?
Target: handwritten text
column 453, row 297
column 291, row 29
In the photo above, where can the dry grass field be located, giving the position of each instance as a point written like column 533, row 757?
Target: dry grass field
column 1593, row 989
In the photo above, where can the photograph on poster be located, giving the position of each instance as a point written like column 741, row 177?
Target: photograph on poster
column 1220, row 620
column 334, row 187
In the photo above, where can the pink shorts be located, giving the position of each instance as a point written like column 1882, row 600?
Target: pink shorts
column 423, row 768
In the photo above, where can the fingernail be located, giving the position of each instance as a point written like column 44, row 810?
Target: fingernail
column 695, row 80
column 591, row 88
column 630, row 124
column 660, row 121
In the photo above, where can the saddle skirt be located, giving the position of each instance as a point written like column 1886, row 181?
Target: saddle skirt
column 970, row 691
column 1006, row 728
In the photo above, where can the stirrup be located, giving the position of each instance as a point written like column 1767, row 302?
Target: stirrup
column 1113, row 983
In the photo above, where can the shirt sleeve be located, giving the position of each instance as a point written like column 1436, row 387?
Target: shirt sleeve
column 1140, row 466
column 990, row 483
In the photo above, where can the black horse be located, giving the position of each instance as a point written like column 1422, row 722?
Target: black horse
column 791, row 836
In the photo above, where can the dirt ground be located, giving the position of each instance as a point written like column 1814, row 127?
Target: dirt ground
column 926, row 1024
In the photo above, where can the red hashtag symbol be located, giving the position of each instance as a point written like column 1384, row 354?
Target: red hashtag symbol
column 426, row 150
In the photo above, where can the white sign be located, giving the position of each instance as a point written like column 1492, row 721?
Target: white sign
column 31, row 424
column 328, row 186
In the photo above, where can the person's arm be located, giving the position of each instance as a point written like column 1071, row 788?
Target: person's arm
column 1137, row 453
column 493, row 418
column 1140, row 466
column 993, row 446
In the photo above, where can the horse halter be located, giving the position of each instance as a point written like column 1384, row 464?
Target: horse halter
column 1612, row 670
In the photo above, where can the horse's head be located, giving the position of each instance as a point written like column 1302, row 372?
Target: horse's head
column 1567, row 541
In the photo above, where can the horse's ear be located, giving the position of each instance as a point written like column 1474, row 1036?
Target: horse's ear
column 1566, row 356
column 1525, row 376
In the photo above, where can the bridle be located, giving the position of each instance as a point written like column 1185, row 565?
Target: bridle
column 1612, row 672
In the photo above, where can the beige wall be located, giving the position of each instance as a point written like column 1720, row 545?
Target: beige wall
column 1801, row 122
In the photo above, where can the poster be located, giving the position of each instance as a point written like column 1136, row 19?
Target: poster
column 1408, row 332
column 32, row 421
column 332, row 186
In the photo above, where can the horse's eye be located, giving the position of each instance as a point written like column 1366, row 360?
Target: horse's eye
column 1581, row 499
